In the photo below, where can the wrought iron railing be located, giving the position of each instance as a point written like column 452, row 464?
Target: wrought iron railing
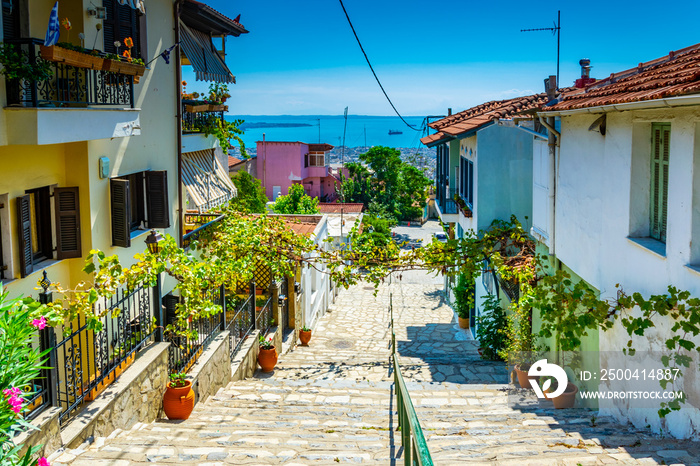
column 264, row 317
column 240, row 322
column 415, row 448
column 184, row 352
column 68, row 86
column 199, row 219
column 197, row 121
column 86, row 361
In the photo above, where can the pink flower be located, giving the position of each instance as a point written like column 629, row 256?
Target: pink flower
column 14, row 399
column 43, row 462
column 39, row 323
column 12, row 392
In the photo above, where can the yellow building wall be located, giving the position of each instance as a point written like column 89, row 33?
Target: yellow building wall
column 76, row 164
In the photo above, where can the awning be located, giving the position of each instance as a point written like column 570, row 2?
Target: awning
column 206, row 181
column 205, row 59
column 135, row 4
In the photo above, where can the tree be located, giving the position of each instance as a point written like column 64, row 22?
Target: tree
column 295, row 202
column 251, row 196
column 387, row 183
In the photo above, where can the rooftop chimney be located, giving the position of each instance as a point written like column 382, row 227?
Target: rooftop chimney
column 585, row 78
column 449, row 111
column 550, row 86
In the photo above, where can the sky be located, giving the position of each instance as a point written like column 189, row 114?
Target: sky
column 301, row 58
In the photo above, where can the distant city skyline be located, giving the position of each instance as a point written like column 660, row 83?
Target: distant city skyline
column 300, row 58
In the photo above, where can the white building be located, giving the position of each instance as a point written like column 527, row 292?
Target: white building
column 626, row 203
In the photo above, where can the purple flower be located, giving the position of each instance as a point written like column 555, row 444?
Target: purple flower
column 39, row 323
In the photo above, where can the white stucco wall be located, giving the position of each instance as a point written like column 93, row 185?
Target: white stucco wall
column 602, row 200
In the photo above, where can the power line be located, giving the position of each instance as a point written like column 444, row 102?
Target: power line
column 371, row 68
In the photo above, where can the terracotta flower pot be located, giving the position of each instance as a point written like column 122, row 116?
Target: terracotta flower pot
column 267, row 358
column 523, row 378
column 566, row 399
column 463, row 323
column 178, row 402
column 305, row 337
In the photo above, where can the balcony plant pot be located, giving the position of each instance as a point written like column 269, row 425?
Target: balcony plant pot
column 267, row 358
column 463, row 323
column 71, row 57
column 523, row 378
column 217, row 108
column 178, row 402
column 122, row 67
column 196, row 108
column 305, row 337
column 566, row 399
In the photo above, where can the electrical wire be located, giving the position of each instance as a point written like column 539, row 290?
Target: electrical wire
column 371, row 68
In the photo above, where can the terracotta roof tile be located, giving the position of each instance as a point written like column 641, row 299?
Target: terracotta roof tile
column 233, row 161
column 675, row 74
column 474, row 117
column 301, row 228
column 334, row 207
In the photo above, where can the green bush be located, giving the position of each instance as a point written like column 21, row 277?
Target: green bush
column 491, row 329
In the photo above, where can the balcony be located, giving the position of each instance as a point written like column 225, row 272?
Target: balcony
column 76, row 103
column 446, row 206
column 198, row 115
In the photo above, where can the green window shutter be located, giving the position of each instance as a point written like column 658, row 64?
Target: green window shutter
column 67, row 210
column 158, row 209
column 121, row 212
column 661, row 139
column 24, row 221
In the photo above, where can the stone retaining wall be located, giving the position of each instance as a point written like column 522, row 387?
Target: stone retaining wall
column 212, row 370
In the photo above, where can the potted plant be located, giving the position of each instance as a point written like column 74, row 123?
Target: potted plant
column 566, row 399
column 491, row 329
column 464, row 300
column 267, row 357
column 124, row 64
column 73, row 55
column 178, row 401
column 16, row 66
column 305, row 335
column 260, row 302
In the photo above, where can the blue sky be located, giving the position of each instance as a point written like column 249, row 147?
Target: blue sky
column 300, row 58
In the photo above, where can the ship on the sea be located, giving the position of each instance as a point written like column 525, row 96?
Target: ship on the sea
column 394, row 131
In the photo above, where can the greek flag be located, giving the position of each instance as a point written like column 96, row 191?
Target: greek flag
column 135, row 4
column 54, row 29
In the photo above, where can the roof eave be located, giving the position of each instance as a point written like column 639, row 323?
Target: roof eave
column 668, row 102
column 205, row 18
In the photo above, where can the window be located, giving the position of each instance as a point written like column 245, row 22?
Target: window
column 36, row 226
column 306, row 160
column 138, row 201
column 123, row 21
column 317, row 159
column 661, row 138
column 466, row 176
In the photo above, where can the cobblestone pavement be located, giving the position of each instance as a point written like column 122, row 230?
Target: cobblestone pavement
column 331, row 402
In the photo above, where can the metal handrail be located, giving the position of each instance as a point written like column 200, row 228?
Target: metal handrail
column 415, row 448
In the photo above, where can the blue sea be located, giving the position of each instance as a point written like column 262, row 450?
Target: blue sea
column 361, row 130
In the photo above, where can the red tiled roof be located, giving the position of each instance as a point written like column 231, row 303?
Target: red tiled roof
column 334, row 207
column 675, row 74
column 320, row 147
column 301, row 228
column 473, row 118
column 233, row 161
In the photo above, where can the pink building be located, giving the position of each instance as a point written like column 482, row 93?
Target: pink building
column 281, row 164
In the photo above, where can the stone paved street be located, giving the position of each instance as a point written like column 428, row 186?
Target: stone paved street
column 332, row 402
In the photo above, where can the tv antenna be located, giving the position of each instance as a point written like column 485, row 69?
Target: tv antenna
column 556, row 29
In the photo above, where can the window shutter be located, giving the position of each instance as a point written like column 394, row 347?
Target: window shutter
column 157, row 199
column 67, row 208
column 121, row 23
column 141, row 36
column 24, row 221
column 121, row 212
column 661, row 137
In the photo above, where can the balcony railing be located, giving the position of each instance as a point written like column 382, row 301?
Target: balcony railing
column 68, row 86
column 197, row 115
column 447, row 204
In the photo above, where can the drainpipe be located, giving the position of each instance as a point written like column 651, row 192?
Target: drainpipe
column 178, row 122
column 553, row 140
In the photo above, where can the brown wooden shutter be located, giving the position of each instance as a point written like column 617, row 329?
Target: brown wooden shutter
column 142, row 38
column 120, row 23
column 67, row 208
column 121, row 212
column 24, row 221
column 158, row 210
